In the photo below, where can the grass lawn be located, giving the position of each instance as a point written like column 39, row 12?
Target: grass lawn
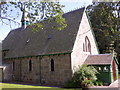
column 119, row 76
column 5, row 86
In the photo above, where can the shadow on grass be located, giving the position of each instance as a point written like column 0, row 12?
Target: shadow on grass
column 40, row 89
column 14, row 86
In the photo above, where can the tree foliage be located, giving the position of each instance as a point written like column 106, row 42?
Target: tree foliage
column 36, row 11
column 105, row 20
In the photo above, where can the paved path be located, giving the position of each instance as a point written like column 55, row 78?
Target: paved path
column 115, row 83
column 113, row 86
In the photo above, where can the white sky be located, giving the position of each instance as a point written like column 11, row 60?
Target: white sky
column 69, row 5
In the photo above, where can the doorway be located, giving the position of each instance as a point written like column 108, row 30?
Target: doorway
column 114, row 70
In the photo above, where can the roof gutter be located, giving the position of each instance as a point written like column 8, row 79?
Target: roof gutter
column 39, row 55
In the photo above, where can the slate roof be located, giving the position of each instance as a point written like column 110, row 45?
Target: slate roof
column 99, row 59
column 47, row 41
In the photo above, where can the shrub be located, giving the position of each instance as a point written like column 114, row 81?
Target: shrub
column 83, row 77
column 98, row 83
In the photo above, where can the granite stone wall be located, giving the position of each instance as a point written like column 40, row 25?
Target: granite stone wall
column 41, row 69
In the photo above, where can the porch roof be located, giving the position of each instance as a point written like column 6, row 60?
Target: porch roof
column 101, row 59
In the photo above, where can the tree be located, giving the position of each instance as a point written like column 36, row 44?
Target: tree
column 37, row 11
column 105, row 22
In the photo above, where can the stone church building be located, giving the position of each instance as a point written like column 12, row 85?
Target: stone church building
column 49, row 56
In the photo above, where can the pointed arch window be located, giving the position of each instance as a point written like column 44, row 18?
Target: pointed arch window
column 52, row 65
column 87, row 45
column 30, row 65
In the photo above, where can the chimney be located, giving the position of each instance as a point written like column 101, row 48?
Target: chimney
column 24, row 19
